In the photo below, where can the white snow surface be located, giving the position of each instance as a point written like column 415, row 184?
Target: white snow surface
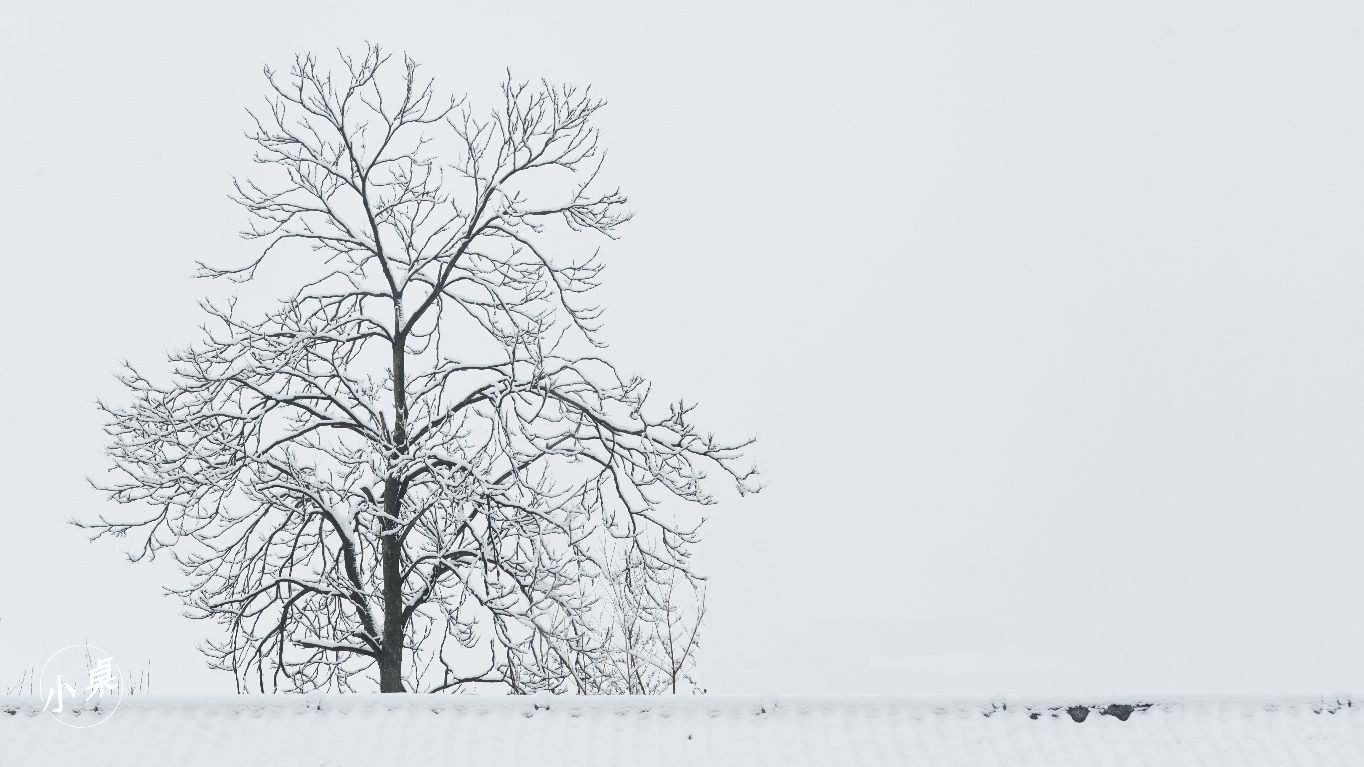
column 368, row 730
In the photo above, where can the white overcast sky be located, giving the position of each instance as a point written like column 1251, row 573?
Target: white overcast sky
column 1048, row 316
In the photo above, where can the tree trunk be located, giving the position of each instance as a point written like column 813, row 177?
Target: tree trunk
column 391, row 655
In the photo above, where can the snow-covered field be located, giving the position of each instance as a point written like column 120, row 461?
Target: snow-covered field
column 368, row 730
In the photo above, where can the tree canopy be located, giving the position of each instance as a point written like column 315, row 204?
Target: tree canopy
column 418, row 468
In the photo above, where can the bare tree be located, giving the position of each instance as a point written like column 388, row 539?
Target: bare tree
column 654, row 635
column 418, row 461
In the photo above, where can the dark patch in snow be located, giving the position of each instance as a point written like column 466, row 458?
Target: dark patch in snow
column 1120, row 711
column 1123, row 710
column 1326, row 706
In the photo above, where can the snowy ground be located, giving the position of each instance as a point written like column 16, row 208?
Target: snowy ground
column 336, row 731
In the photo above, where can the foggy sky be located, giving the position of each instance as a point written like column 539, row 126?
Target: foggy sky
column 1046, row 316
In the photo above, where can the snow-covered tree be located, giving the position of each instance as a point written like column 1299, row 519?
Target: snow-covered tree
column 417, row 468
column 653, row 637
